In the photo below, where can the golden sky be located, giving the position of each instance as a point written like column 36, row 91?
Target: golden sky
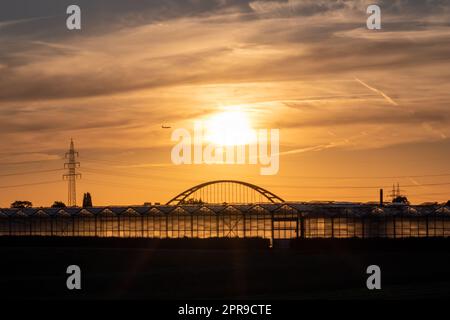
column 357, row 109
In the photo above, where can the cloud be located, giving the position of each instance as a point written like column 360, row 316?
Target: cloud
column 153, row 54
column 151, row 62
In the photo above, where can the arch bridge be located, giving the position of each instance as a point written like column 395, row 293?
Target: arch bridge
column 225, row 191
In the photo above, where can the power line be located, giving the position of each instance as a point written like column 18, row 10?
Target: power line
column 29, row 172
column 27, row 162
column 30, row 184
column 370, row 196
column 115, row 184
column 105, row 160
column 368, row 177
column 424, row 185
column 363, row 187
column 311, row 177
column 294, row 177
column 120, row 174
column 144, row 176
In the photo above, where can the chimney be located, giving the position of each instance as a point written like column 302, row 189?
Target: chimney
column 381, row 197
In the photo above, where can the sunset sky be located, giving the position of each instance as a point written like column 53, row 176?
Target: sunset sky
column 357, row 109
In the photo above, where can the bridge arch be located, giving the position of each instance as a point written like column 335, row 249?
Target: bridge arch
column 221, row 186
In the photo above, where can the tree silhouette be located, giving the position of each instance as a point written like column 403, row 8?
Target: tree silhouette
column 87, row 200
column 21, row 204
column 400, row 199
column 192, row 201
column 58, row 204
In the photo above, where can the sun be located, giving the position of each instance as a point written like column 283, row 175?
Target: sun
column 229, row 128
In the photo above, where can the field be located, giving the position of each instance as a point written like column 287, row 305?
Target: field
column 333, row 271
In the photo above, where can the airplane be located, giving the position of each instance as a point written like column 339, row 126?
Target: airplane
column 166, row 127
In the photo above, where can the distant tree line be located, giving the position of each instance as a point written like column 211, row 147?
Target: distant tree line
column 192, row 201
column 400, row 199
column 58, row 204
column 87, row 202
column 21, row 204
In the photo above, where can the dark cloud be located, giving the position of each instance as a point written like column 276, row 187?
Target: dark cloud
column 105, row 15
column 316, row 47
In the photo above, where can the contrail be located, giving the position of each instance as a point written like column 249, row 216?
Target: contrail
column 302, row 150
column 414, row 181
column 317, row 148
column 8, row 23
column 389, row 99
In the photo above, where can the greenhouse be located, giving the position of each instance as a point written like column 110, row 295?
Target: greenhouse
column 272, row 221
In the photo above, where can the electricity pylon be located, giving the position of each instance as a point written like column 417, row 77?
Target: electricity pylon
column 71, row 176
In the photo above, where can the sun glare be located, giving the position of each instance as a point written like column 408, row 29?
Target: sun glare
column 229, row 128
